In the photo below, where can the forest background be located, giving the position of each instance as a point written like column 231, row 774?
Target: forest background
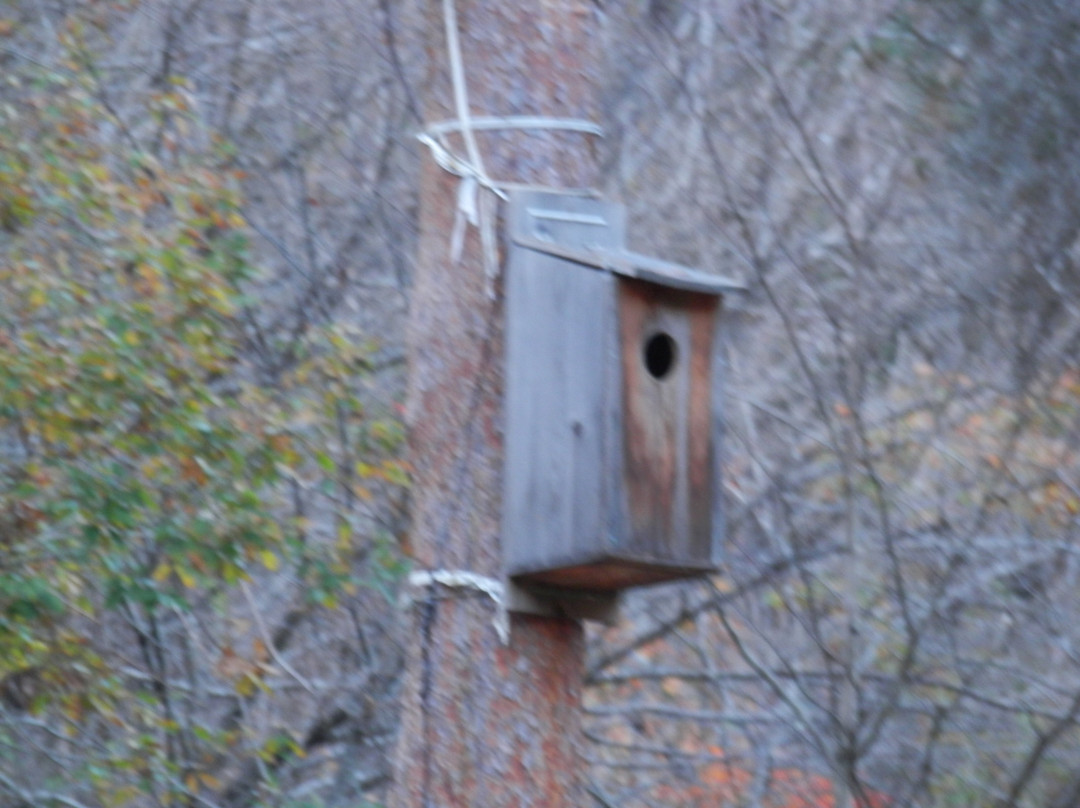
column 207, row 229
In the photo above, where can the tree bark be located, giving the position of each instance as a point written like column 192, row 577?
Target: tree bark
column 485, row 724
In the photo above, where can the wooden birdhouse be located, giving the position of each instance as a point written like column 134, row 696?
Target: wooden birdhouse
column 613, row 425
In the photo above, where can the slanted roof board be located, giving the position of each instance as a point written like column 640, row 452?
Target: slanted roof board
column 635, row 265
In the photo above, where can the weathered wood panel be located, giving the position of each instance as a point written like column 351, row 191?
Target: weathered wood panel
column 669, row 444
column 559, row 326
column 555, row 395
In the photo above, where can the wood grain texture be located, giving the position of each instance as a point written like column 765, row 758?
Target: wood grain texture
column 669, row 439
column 559, row 325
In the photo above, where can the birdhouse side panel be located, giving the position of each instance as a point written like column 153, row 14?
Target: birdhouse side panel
column 559, row 320
column 669, row 430
column 716, row 413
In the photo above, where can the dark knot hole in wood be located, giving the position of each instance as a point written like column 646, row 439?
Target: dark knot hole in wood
column 660, row 354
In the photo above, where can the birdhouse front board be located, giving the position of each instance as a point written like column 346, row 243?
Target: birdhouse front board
column 612, row 427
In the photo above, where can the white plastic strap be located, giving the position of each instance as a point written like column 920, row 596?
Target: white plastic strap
column 471, row 207
column 463, row 579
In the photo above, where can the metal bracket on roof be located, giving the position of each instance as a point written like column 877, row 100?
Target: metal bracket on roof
column 557, row 225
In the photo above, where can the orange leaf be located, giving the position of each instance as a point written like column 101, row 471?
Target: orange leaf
column 191, row 471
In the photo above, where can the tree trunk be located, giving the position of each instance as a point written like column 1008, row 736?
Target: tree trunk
column 485, row 724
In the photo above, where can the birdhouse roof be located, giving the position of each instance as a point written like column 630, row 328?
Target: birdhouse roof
column 630, row 264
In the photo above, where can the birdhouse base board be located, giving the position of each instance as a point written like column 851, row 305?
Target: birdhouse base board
column 609, row 575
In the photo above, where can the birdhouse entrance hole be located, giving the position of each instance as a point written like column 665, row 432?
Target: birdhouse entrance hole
column 660, row 354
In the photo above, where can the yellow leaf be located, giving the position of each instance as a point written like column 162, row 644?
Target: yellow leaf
column 246, row 686
column 209, row 780
column 131, row 338
column 161, row 572
column 38, row 298
column 270, row 560
column 186, row 578
column 123, row 795
column 192, row 783
column 50, row 432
